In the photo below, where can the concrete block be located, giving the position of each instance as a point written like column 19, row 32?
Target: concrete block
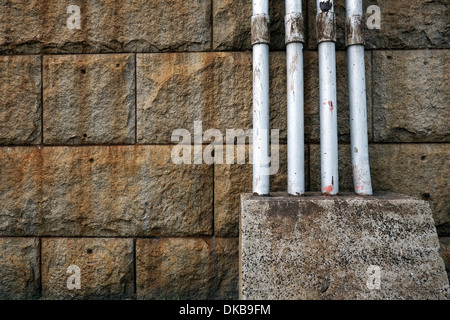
column 344, row 247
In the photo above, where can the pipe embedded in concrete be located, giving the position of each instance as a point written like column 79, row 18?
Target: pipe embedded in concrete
column 295, row 97
column 260, row 45
column 326, row 37
column 357, row 97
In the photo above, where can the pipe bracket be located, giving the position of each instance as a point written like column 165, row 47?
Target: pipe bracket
column 354, row 30
column 326, row 26
column 260, row 29
column 294, row 27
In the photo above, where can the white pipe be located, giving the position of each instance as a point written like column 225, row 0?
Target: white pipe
column 295, row 98
column 293, row 6
column 357, row 99
column 261, row 183
column 328, row 100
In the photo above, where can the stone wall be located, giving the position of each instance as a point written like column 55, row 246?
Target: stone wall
column 86, row 118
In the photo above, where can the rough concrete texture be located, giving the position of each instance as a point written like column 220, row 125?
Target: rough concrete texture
column 103, row 191
column 232, row 20
column 20, row 105
column 419, row 24
column 399, row 168
column 319, row 247
column 105, row 265
column 89, row 99
column 19, row 268
column 195, row 268
column 105, row 26
column 411, row 96
column 174, row 90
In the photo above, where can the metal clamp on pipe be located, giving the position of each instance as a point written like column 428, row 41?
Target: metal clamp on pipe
column 354, row 30
column 326, row 26
column 294, row 27
column 260, row 29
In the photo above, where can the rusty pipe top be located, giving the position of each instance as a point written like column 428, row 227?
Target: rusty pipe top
column 260, row 29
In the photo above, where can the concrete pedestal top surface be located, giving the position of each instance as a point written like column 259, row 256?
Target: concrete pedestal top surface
column 383, row 246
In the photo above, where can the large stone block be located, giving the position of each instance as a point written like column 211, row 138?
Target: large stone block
column 174, row 90
column 105, row 266
column 20, row 105
column 104, row 26
column 411, row 96
column 418, row 170
column 89, row 99
column 345, row 247
column 187, row 268
column 19, row 268
column 232, row 30
column 103, row 191
column 418, row 25
column 20, row 191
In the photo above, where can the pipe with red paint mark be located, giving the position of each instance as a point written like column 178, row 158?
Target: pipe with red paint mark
column 326, row 37
column 295, row 97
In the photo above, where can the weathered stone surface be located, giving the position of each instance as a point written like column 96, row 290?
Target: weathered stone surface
column 230, row 180
column 19, row 268
column 105, row 26
column 319, row 247
column 187, row 268
column 420, row 24
column 231, row 21
column 89, row 99
column 418, row 170
column 20, row 105
column 20, row 191
column 445, row 253
column 411, row 96
column 174, row 90
column 103, row 191
column 106, row 268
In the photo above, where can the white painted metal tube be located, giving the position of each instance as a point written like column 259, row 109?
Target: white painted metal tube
column 295, row 98
column 293, row 6
column 357, row 100
column 328, row 99
column 261, row 181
